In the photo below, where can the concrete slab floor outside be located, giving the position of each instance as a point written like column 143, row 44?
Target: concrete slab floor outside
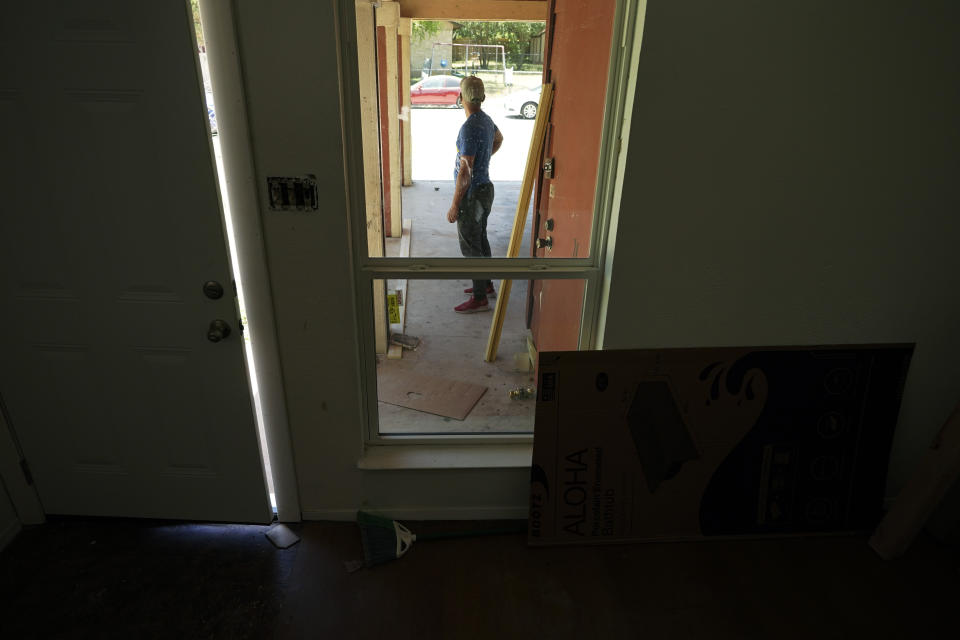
column 453, row 344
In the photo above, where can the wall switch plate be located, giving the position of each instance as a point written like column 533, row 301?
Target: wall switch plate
column 297, row 193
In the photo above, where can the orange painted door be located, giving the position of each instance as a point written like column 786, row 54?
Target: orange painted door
column 578, row 58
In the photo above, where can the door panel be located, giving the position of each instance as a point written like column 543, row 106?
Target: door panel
column 577, row 64
column 110, row 226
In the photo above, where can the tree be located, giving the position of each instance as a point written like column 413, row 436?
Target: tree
column 423, row 29
column 195, row 5
column 513, row 36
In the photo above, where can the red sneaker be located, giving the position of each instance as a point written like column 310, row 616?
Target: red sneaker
column 491, row 292
column 472, row 306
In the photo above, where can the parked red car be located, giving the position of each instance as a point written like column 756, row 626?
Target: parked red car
column 436, row 90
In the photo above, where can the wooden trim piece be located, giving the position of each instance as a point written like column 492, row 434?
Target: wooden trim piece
column 504, row 10
column 523, row 204
column 505, row 512
column 938, row 471
column 448, row 456
column 407, row 139
column 384, row 124
column 370, row 127
column 388, row 16
column 388, row 13
column 405, row 240
column 401, row 288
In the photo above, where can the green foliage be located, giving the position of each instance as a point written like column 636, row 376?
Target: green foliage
column 423, row 29
column 513, row 36
column 195, row 6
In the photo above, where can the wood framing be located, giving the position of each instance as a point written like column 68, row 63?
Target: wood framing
column 503, row 10
column 400, row 286
column 523, row 204
column 384, row 128
column 405, row 241
column 407, row 137
column 367, row 77
column 388, row 18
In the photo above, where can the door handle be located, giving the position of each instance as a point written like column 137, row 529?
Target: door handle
column 218, row 331
column 545, row 243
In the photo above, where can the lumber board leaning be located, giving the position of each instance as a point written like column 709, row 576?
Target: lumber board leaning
column 520, row 218
column 938, row 470
column 369, row 118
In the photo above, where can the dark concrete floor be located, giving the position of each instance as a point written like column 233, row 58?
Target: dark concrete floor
column 133, row 579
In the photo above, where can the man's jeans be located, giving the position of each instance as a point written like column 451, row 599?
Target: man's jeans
column 472, row 229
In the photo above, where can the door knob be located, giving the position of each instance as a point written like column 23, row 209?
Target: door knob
column 213, row 289
column 218, row 331
column 544, row 243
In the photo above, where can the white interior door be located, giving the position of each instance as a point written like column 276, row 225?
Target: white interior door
column 110, row 227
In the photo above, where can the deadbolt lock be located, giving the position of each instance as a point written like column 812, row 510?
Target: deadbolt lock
column 548, row 168
column 544, row 243
column 218, row 331
column 548, row 224
column 213, row 289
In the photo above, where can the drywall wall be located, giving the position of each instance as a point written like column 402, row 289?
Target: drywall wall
column 793, row 179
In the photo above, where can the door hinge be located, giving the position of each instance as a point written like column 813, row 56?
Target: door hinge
column 25, row 468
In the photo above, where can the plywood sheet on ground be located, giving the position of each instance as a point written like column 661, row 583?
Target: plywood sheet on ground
column 439, row 396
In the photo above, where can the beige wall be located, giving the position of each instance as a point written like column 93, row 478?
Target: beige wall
column 791, row 179
column 794, row 178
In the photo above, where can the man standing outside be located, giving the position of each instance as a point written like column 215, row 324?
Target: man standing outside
column 478, row 140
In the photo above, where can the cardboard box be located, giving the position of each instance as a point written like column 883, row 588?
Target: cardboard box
column 694, row 443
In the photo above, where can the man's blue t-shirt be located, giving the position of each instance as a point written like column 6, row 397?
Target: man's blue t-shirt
column 476, row 139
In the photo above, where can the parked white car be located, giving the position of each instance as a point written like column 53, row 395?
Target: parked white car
column 523, row 103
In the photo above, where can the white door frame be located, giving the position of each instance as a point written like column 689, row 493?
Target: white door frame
column 226, row 76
